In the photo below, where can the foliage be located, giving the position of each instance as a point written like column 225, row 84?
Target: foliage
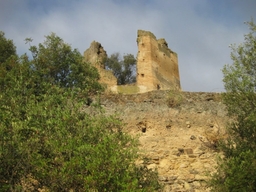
column 236, row 172
column 147, row 178
column 46, row 137
column 55, row 61
column 7, row 48
column 123, row 70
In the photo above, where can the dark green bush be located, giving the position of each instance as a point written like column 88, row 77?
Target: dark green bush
column 48, row 142
column 237, row 170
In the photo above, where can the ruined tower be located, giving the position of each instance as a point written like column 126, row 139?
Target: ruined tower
column 157, row 65
column 96, row 56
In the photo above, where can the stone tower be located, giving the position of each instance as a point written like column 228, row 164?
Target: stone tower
column 96, row 56
column 157, row 65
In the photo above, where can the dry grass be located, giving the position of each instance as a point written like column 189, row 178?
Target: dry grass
column 175, row 98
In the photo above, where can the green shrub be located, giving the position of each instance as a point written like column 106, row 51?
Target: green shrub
column 48, row 142
column 237, row 170
column 236, row 173
column 7, row 48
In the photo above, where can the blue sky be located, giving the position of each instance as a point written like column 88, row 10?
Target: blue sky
column 200, row 31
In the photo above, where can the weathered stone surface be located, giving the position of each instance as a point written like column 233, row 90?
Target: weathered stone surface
column 157, row 65
column 96, row 56
column 177, row 157
column 192, row 137
column 188, row 151
column 152, row 166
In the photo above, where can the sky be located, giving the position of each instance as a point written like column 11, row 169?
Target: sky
column 199, row 31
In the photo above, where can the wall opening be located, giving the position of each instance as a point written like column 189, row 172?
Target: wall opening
column 158, row 87
column 142, row 75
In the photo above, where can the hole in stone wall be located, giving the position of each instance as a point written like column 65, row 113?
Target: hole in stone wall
column 158, row 87
column 143, row 129
column 142, row 75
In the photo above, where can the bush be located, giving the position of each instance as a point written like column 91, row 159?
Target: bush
column 48, row 142
column 56, row 62
column 7, row 48
column 236, row 171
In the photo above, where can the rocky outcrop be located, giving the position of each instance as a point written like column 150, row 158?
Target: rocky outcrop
column 157, row 65
column 96, row 56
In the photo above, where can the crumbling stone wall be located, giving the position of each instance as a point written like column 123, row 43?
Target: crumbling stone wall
column 157, row 65
column 180, row 141
column 96, row 55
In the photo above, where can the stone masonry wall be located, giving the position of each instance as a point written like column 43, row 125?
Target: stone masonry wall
column 178, row 137
column 96, row 56
column 157, row 65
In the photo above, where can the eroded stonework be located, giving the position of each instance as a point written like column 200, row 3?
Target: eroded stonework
column 96, row 56
column 157, row 65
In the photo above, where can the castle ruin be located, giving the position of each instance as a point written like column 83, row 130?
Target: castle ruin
column 96, row 56
column 157, row 66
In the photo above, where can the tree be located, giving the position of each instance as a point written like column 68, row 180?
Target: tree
column 237, row 170
column 124, row 70
column 48, row 141
column 55, row 61
column 7, row 48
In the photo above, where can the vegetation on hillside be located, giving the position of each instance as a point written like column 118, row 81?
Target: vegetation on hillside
column 237, row 170
column 46, row 140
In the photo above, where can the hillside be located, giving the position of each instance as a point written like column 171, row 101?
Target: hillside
column 178, row 131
